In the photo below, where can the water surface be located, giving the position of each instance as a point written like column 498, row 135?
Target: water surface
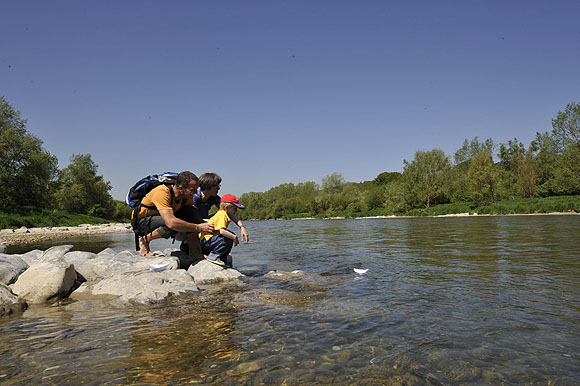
column 486, row 300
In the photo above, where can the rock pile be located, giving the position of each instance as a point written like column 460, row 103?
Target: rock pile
column 38, row 277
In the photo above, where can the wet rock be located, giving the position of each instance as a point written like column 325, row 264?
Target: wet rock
column 205, row 272
column 140, row 287
column 11, row 266
column 46, row 280
column 9, row 302
column 281, row 275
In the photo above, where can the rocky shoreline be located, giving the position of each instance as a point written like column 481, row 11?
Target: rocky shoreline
column 25, row 235
column 47, row 277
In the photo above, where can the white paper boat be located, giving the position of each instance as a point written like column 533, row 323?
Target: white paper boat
column 360, row 271
column 158, row 267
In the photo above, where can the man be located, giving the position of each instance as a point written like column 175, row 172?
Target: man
column 207, row 196
column 166, row 210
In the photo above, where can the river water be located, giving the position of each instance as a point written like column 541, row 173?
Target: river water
column 486, row 300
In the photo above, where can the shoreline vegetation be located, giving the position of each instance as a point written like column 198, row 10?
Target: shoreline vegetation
column 481, row 177
column 34, row 229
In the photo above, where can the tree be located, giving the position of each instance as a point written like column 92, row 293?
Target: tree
column 387, row 177
column 471, row 148
column 81, row 189
column 424, row 177
column 482, row 178
column 333, row 182
column 566, row 125
column 24, row 165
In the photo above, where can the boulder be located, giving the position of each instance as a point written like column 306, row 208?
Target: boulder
column 3, row 249
column 140, row 287
column 205, row 272
column 11, row 266
column 9, row 302
column 46, row 280
column 31, row 256
column 105, row 265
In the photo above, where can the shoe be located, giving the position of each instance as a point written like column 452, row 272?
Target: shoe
column 229, row 261
column 216, row 261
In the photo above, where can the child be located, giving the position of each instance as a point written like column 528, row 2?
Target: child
column 218, row 246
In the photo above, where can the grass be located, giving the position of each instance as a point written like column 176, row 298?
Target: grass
column 35, row 218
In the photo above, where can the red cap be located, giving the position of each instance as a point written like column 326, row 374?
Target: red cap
column 232, row 200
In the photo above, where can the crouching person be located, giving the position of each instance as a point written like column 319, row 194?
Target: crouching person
column 218, row 246
column 168, row 209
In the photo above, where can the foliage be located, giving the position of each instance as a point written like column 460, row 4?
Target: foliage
column 566, row 125
column 429, row 184
column 482, row 178
column 36, row 217
column 24, row 165
column 425, row 177
column 81, row 190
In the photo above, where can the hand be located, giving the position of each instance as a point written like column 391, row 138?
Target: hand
column 206, row 228
column 245, row 237
column 236, row 241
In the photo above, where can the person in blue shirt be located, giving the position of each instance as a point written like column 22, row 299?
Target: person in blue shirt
column 207, row 197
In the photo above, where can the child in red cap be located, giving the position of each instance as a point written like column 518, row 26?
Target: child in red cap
column 218, row 246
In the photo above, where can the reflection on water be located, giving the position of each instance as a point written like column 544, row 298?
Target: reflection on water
column 486, row 300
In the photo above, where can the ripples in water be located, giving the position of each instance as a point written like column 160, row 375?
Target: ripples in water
column 445, row 301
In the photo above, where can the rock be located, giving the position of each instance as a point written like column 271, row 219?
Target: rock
column 141, row 287
column 9, row 302
column 55, row 253
column 3, row 249
column 46, row 280
column 281, row 275
column 205, row 272
column 32, row 256
column 11, row 266
column 105, row 265
column 22, row 229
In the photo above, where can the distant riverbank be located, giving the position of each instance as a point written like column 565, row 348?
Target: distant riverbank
column 25, row 235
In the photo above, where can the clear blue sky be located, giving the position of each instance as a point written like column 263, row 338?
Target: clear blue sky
column 269, row 92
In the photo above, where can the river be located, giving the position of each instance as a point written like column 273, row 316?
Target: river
column 478, row 300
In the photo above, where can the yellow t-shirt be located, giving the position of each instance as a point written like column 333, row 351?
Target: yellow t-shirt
column 219, row 220
column 160, row 198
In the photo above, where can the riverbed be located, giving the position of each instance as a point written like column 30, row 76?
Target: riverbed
column 484, row 300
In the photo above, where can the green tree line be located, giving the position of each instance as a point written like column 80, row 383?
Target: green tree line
column 30, row 177
column 479, row 175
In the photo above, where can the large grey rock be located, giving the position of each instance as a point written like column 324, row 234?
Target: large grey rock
column 55, row 253
column 140, row 287
column 11, row 266
column 105, row 265
column 31, row 256
column 9, row 302
column 46, row 280
column 205, row 272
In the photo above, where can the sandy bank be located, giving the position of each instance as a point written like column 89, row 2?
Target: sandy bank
column 33, row 235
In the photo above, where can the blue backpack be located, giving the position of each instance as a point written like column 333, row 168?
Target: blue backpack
column 147, row 184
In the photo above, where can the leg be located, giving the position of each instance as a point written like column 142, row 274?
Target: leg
column 144, row 243
column 194, row 246
column 218, row 247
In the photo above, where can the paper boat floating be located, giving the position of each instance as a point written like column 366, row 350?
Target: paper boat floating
column 158, row 267
column 360, row 271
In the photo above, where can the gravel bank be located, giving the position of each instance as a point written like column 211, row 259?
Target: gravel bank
column 25, row 235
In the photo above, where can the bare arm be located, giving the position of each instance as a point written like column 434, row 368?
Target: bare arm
column 243, row 230
column 225, row 233
column 179, row 225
